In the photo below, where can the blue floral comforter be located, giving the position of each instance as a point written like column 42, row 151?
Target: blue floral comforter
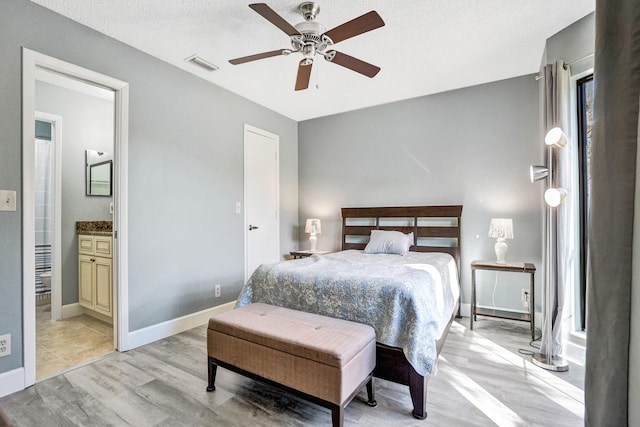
column 408, row 300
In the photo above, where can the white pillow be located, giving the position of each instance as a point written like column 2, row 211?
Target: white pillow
column 389, row 242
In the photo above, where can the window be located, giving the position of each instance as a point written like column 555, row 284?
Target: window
column 585, row 126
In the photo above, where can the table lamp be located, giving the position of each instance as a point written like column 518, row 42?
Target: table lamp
column 501, row 229
column 313, row 227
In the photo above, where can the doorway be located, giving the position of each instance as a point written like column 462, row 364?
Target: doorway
column 68, row 335
column 261, row 198
column 34, row 64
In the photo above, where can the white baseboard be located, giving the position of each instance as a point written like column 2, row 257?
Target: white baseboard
column 465, row 311
column 11, row 381
column 166, row 329
column 99, row 316
column 75, row 309
column 72, row 310
column 574, row 353
column 575, row 348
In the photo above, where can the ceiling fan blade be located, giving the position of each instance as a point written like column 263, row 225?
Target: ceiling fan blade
column 304, row 74
column 277, row 20
column 362, row 24
column 354, row 64
column 256, row 57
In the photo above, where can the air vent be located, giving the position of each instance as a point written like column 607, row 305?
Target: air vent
column 195, row 59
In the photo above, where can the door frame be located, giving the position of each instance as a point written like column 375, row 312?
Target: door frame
column 31, row 61
column 252, row 129
column 56, row 247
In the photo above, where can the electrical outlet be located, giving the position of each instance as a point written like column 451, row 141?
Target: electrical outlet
column 5, row 345
column 524, row 297
column 217, row 291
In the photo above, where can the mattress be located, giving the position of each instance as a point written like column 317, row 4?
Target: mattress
column 408, row 300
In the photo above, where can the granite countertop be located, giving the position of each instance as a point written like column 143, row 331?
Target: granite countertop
column 95, row 228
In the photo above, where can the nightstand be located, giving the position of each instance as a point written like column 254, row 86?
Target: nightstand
column 304, row 254
column 513, row 267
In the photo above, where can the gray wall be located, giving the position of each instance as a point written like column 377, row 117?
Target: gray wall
column 575, row 42
column 471, row 146
column 185, row 172
column 87, row 123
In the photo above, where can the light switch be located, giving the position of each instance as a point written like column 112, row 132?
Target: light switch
column 238, row 208
column 7, row 200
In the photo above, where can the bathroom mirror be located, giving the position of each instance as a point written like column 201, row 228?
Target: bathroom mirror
column 99, row 172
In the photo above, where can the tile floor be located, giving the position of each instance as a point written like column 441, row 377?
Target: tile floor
column 69, row 343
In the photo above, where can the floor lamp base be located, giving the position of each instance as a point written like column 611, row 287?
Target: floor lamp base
column 556, row 363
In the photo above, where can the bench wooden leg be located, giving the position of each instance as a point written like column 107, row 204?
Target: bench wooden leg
column 337, row 416
column 371, row 393
column 212, row 374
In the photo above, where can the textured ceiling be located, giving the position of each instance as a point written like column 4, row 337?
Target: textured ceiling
column 425, row 47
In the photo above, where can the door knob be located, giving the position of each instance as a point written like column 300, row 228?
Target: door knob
column 252, row 227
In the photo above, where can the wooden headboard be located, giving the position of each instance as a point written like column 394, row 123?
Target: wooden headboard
column 435, row 228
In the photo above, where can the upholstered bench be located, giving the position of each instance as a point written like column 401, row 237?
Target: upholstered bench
column 324, row 360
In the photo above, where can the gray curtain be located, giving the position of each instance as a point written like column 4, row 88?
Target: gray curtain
column 558, row 221
column 614, row 146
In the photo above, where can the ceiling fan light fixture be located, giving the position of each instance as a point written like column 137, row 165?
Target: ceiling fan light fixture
column 310, row 27
column 309, row 51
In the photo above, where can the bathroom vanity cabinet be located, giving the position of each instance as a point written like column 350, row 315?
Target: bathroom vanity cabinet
column 95, row 273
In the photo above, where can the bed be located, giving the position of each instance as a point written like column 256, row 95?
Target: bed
column 410, row 300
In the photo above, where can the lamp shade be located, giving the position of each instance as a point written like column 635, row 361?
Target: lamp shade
column 556, row 137
column 313, row 226
column 536, row 173
column 555, row 196
column 501, row 228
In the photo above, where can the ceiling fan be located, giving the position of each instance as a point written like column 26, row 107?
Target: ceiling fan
column 310, row 39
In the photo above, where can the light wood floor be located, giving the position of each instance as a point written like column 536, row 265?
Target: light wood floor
column 68, row 343
column 482, row 381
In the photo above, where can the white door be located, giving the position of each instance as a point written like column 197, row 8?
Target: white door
column 260, row 198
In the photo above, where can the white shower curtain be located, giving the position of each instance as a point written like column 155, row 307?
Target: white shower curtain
column 44, row 191
column 43, row 208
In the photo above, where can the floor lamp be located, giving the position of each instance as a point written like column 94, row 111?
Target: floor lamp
column 553, row 196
